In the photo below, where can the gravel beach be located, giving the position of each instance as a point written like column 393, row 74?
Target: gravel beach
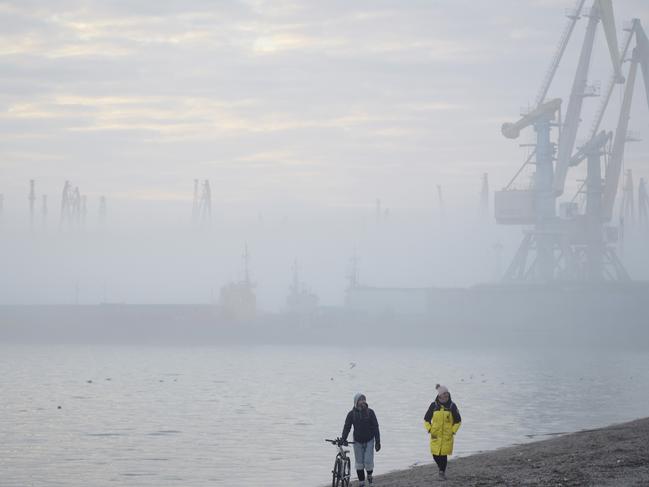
column 617, row 455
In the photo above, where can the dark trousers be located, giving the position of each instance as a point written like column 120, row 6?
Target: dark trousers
column 441, row 461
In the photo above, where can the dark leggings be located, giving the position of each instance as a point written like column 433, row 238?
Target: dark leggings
column 361, row 474
column 441, row 460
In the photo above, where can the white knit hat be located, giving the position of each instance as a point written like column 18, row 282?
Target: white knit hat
column 441, row 389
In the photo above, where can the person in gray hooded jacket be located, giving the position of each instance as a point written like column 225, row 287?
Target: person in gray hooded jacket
column 367, row 437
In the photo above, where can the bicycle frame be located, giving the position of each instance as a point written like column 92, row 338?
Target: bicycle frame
column 341, row 473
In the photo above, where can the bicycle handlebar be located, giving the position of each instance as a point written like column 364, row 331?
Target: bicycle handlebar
column 339, row 441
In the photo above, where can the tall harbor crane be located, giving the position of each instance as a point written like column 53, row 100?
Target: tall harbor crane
column 44, row 210
column 601, row 261
column 202, row 208
column 535, row 206
column 639, row 57
column 573, row 246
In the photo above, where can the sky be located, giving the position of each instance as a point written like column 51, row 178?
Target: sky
column 321, row 103
column 292, row 109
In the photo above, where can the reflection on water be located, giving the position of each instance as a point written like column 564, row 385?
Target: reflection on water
column 79, row 416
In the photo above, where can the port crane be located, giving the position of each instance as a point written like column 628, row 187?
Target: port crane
column 570, row 245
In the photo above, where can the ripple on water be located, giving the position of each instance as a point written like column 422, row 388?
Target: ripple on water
column 164, row 432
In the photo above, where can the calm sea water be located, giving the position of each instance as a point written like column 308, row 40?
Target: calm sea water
column 258, row 416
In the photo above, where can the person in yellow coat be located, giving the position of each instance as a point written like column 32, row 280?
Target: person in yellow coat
column 442, row 420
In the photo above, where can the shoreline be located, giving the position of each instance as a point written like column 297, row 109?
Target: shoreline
column 475, row 322
column 610, row 456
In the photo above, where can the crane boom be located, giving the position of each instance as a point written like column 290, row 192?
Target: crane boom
column 643, row 56
column 593, row 145
column 605, row 8
column 613, row 80
column 602, row 9
column 640, row 56
column 513, row 130
column 561, row 48
column 614, row 167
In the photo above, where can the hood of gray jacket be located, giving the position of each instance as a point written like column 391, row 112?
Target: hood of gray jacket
column 358, row 396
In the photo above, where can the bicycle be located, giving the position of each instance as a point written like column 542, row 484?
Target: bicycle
column 341, row 474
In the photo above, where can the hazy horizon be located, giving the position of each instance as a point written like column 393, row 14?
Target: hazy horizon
column 301, row 115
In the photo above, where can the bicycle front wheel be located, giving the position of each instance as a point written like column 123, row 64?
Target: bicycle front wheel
column 335, row 473
column 346, row 473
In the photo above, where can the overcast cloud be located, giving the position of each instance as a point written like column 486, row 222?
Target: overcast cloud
column 326, row 103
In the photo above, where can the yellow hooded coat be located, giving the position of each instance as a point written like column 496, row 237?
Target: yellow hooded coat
column 442, row 422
